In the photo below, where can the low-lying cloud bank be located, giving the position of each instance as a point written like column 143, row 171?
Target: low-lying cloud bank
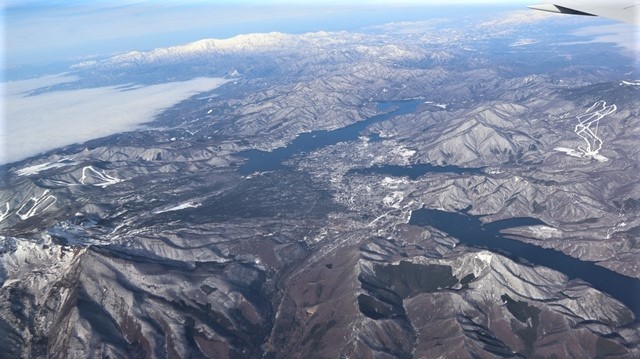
column 35, row 124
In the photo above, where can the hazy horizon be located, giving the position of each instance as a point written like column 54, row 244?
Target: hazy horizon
column 41, row 32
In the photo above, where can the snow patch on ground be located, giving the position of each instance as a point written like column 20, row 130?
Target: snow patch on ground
column 630, row 83
column 485, row 257
column 4, row 215
column 179, row 207
column 406, row 153
column 384, row 134
column 599, row 158
column 393, row 183
column 393, row 199
column 36, row 205
column 441, row 105
column 573, row 153
column 35, row 169
column 97, row 177
column 403, row 153
column 619, row 227
column 544, row 232
column 569, row 151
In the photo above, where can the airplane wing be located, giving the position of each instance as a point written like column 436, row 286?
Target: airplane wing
column 621, row 10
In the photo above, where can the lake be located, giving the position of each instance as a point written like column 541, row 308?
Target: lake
column 470, row 230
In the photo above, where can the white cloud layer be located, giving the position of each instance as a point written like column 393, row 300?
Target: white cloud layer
column 624, row 35
column 34, row 124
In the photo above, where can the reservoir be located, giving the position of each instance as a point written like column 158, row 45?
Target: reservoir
column 469, row 230
column 259, row 161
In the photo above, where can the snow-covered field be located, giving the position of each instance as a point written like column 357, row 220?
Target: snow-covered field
column 35, row 169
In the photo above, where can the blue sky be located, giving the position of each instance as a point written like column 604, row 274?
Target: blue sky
column 42, row 31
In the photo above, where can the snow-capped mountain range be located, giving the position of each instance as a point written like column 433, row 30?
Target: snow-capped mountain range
column 259, row 43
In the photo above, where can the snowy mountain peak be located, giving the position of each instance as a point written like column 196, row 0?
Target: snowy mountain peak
column 247, row 43
column 261, row 43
